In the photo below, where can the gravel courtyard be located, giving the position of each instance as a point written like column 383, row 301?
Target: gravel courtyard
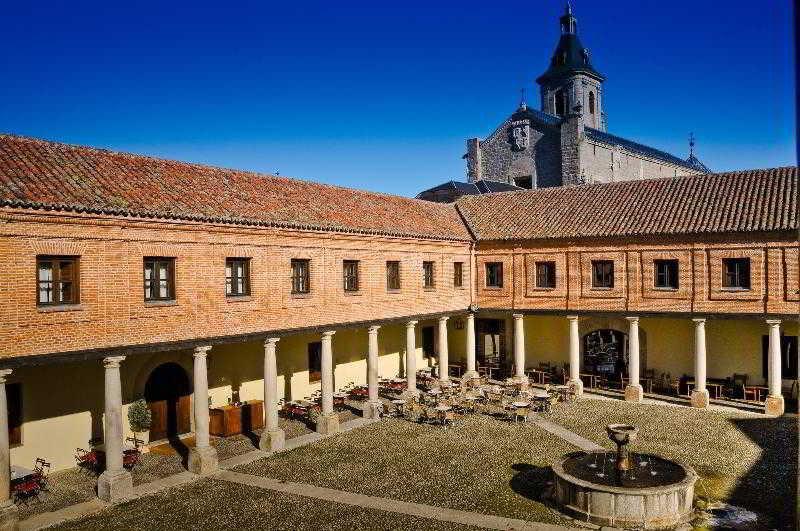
column 482, row 465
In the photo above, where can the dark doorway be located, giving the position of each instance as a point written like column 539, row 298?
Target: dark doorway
column 315, row 361
column 168, row 394
column 491, row 340
column 428, row 343
column 605, row 352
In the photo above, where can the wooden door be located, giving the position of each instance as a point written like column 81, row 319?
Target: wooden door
column 158, row 426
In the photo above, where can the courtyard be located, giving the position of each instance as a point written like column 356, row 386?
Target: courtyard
column 482, row 472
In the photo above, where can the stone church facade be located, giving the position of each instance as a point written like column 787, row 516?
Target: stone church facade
column 566, row 142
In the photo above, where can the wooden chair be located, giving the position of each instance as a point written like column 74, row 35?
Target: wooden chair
column 41, row 469
column 675, row 386
column 739, row 386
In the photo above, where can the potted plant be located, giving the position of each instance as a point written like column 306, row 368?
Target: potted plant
column 140, row 419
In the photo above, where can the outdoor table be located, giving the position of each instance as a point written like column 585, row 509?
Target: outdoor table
column 443, row 407
column 541, row 394
column 20, row 473
column 646, row 383
column 456, row 368
column 760, row 391
column 399, row 405
column 521, row 404
column 714, row 389
column 435, row 392
column 594, row 379
column 563, row 391
column 537, row 375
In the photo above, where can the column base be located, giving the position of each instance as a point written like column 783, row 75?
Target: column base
column 328, row 424
column 700, row 398
column 774, row 405
column 523, row 380
column 634, row 393
column 576, row 387
column 372, row 410
column 469, row 375
column 203, row 461
column 114, row 486
column 9, row 516
column 410, row 393
column 272, row 440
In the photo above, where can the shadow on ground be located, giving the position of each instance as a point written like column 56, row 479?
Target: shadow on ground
column 533, row 482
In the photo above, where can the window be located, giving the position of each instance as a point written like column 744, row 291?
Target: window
column 591, row 103
column 300, row 275
column 666, row 274
column 736, row 273
column 314, row 361
column 393, row 275
column 427, row 275
column 14, row 398
column 458, row 274
column 494, row 275
column 545, row 274
column 526, row 181
column 237, row 277
column 602, row 274
column 560, row 103
column 350, row 272
column 57, row 280
column 159, row 279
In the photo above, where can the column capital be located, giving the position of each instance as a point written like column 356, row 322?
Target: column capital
column 633, row 318
column 271, row 341
column 470, row 315
column 201, row 351
column 774, row 322
column 411, row 324
column 327, row 334
column 4, row 373
column 699, row 320
column 517, row 315
column 444, row 318
column 373, row 329
column 113, row 362
column 572, row 317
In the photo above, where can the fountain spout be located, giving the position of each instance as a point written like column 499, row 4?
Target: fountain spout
column 622, row 435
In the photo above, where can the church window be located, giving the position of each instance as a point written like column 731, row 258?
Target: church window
column 560, row 103
column 524, row 182
column 591, row 103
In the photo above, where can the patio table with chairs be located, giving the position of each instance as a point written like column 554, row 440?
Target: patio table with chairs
column 714, row 389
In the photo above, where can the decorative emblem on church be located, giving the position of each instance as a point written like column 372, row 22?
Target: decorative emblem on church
column 520, row 135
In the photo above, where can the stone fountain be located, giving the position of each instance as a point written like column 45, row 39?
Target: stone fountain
column 624, row 489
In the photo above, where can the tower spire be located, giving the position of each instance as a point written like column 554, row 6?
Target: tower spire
column 522, row 103
column 691, row 145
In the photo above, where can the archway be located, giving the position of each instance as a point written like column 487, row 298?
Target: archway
column 605, row 352
column 168, row 394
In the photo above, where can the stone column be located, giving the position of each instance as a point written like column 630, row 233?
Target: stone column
column 444, row 358
column 633, row 391
column 575, row 383
column 273, row 437
column 519, row 347
column 411, row 360
column 373, row 406
column 699, row 393
column 470, row 342
column 8, row 510
column 328, row 421
column 115, row 483
column 775, row 404
column 203, row 457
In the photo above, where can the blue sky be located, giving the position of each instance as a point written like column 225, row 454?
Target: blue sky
column 382, row 96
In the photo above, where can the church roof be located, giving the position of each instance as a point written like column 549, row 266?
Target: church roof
column 648, row 151
column 482, row 186
column 46, row 175
column 743, row 201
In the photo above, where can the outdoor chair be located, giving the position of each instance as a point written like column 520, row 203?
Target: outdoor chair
column 740, row 387
column 27, row 490
column 521, row 414
column 86, row 460
column 41, row 469
column 675, row 386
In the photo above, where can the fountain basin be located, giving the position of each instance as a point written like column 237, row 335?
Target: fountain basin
column 656, row 493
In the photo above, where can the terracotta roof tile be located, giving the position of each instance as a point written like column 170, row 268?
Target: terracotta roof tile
column 49, row 175
column 743, row 201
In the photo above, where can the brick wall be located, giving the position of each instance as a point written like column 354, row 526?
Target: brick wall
column 775, row 287
column 112, row 311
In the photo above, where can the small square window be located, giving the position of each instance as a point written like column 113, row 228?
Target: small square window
column 427, row 275
column 494, row 275
column 159, row 279
column 301, row 275
column 666, row 274
column 603, row 274
column 736, row 273
column 350, row 273
column 546, row 275
column 393, row 275
column 237, row 277
column 458, row 274
column 57, row 280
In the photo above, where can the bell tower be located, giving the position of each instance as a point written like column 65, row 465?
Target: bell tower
column 571, row 80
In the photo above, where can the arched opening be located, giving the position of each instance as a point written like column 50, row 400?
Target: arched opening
column 168, row 394
column 560, row 103
column 591, row 103
column 605, row 352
